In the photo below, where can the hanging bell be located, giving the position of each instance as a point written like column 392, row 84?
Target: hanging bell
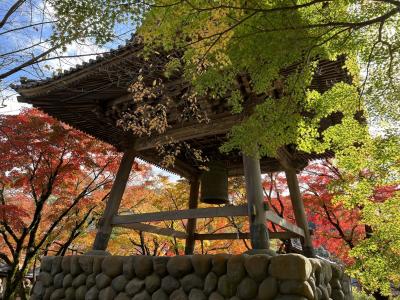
column 214, row 184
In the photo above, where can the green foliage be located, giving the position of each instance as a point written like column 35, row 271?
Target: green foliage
column 236, row 49
column 96, row 19
column 360, row 295
column 223, row 41
column 227, row 39
column 369, row 181
column 378, row 257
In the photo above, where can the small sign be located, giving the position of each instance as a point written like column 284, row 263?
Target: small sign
column 296, row 243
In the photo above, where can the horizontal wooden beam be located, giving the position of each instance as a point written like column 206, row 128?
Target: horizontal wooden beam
column 274, row 218
column 241, row 235
column 192, row 131
column 226, row 211
column 155, row 230
column 222, row 236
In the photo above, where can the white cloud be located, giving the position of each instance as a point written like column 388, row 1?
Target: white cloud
column 9, row 104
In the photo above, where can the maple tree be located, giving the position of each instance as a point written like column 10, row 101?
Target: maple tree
column 224, row 43
column 53, row 180
column 158, row 193
column 364, row 235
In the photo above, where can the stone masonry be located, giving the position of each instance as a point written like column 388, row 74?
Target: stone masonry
column 195, row 277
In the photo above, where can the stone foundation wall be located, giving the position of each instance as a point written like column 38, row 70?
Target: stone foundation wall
column 197, row 277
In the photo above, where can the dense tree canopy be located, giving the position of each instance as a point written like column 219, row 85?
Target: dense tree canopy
column 237, row 49
column 53, row 180
column 224, row 41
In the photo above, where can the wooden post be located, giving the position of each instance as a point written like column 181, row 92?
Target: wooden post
column 298, row 209
column 114, row 200
column 191, row 224
column 255, row 202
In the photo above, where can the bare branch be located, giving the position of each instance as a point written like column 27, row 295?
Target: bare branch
column 12, row 10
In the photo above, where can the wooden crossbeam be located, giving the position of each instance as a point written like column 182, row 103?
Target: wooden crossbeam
column 203, row 236
column 155, row 229
column 226, row 211
column 241, row 235
column 274, row 218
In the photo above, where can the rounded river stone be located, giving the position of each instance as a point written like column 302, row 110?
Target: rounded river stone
column 179, row 266
column 122, row 296
column 107, row 293
column 178, row 295
column 247, row 289
column 79, row 280
column 112, row 266
column 169, row 284
column 92, row 294
column 219, row 264
column 226, row 287
column 216, row 296
column 119, row 283
column 102, row 281
column 159, row 295
column 46, row 263
column 75, row 266
column 86, row 263
column 80, row 293
column 210, row 283
column 268, row 289
column 197, row 294
column 290, row 266
column 201, row 264
column 90, row 280
column 192, row 281
column 257, row 266
column 152, row 283
column 67, row 281
column 57, row 294
column 66, row 264
column 160, row 265
column 235, row 268
column 134, row 286
column 143, row 295
column 296, row 287
column 45, row 278
column 56, row 266
column 58, row 280
column 128, row 268
column 70, row 293
column 97, row 261
column 143, row 266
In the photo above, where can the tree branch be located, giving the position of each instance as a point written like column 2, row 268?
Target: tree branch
column 12, row 10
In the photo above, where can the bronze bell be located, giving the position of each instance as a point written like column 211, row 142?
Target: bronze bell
column 214, row 184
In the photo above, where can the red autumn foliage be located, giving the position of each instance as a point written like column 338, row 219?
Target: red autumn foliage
column 52, row 180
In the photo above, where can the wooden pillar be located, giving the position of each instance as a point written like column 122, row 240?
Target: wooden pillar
column 191, row 224
column 114, row 201
column 255, row 202
column 299, row 211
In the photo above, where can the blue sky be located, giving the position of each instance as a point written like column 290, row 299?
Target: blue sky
column 33, row 40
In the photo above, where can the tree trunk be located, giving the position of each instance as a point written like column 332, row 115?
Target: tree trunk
column 13, row 280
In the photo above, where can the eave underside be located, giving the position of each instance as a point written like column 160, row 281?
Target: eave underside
column 92, row 98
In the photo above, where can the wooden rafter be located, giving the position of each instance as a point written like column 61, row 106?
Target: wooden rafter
column 192, row 131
